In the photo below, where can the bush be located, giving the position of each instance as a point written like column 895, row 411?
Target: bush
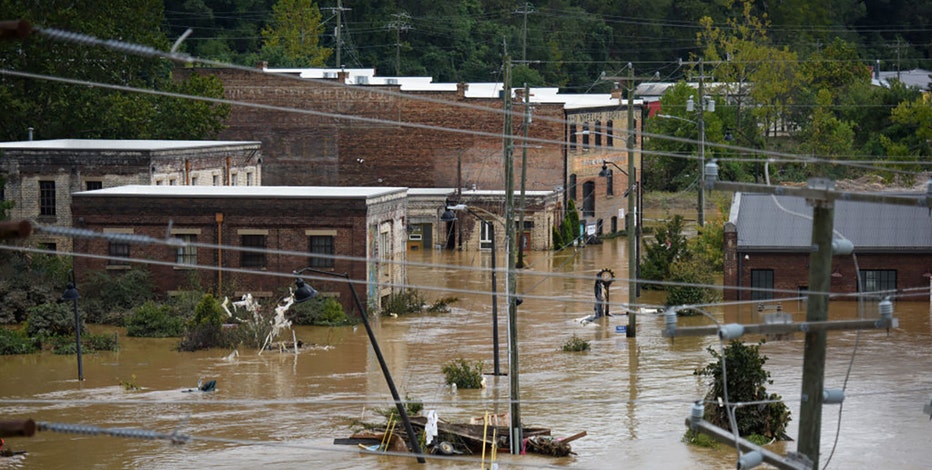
column 409, row 301
column 90, row 343
column 205, row 329
column 321, row 311
column 686, row 273
column 16, row 342
column 463, row 373
column 668, row 246
column 109, row 297
column 747, row 380
column 154, row 321
column 27, row 280
column 55, row 319
column 575, row 344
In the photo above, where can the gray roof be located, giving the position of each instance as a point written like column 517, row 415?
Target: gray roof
column 784, row 223
column 105, row 144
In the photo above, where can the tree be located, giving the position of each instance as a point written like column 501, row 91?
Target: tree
column 668, row 246
column 292, row 38
column 746, row 382
column 61, row 110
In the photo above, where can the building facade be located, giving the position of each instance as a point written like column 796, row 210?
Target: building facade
column 240, row 239
column 42, row 175
column 768, row 241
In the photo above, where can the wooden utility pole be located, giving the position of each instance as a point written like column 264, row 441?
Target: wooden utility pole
column 510, row 277
column 527, row 122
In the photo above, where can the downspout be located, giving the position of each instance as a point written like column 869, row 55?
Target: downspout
column 218, row 217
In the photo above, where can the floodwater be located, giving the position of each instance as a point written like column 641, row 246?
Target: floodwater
column 631, row 395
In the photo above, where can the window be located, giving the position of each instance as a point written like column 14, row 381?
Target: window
column 171, row 182
column 252, row 259
column 94, row 185
column 233, row 179
column 249, row 179
column 485, row 235
column 572, row 136
column 585, row 136
column 194, row 181
column 610, row 134
column 187, row 254
column 46, row 198
column 48, row 246
column 118, row 250
column 216, row 181
column 320, row 245
column 610, row 183
column 572, row 187
column 762, row 279
column 876, row 280
column 598, row 133
column 588, row 194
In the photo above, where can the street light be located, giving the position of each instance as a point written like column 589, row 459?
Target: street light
column 633, row 229
column 71, row 293
column 304, row 292
column 449, row 215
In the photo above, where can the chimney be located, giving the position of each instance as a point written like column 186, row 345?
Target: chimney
column 342, row 75
column 262, row 65
column 461, row 90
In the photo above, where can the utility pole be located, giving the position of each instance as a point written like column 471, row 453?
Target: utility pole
column 338, row 11
column 527, row 121
column 524, row 10
column 699, row 185
column 399, row 24
column 510, row 277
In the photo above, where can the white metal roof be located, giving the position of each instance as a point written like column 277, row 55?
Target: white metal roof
column 104, row 144
column 321, row 192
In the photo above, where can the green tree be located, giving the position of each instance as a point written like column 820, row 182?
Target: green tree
column 292, row 38
column 205, row 329
column 668, row 246
column 747, row 381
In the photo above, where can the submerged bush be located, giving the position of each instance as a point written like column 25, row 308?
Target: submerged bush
column 463, row 373
column 205, row 329
column 152, row 320
column 16, row 342
column 321, row 311
column 575, row 344
column 53, row 319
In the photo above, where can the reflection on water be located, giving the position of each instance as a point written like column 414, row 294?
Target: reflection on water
column 631, row 395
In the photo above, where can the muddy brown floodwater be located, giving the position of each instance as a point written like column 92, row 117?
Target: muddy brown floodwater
column 632, row 395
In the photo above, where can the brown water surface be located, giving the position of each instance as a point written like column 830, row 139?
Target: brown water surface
column 632, row 395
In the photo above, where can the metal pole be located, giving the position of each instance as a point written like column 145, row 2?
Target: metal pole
column 497, row 370
column 630, row 221
column 77, row 336
column 820, row 262
column 699, row 184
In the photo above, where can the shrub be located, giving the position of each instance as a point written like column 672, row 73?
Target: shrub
column 27, row 280
column 409, row 301
column 463, row 373
column 16, row 342
column 54, row 319
column 669, row 245
column 575, row 344
column 442, row 305
column 205, row 329
column 90, row 343
column 109, row 297
column 747, row 380
column 686, row 274
column 154, row 321
column 321, row 311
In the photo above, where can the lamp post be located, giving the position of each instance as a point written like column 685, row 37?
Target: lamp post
column 305, row 292
column 633, row 229
column 449, row 215
column 71, row 293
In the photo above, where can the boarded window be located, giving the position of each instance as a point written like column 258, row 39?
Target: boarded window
column 762, row 283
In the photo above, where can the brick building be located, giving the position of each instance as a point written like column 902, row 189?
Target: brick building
column 768, row 240
column 354, row 230
column 353, row 128
column 42, row 175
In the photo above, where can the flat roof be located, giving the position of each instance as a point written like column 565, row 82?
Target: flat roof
column 108, row 144
column 320, row 192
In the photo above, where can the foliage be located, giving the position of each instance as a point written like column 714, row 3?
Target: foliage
column 27, row 280
column 747, row 381
column 442, row 305
column 463, row 373
column 685, row 274
column 405, row 302
column 90, row 343
column 292, row 38
column 154, row 321
column 205, row 329
column 699, row 439
column 64, row 110
column 668, row 245
column 129, row 384
column 575, row 344
column 109, row 296
column 55, row 319
column 568, row 231
column 320, row 311
column 412, row 408
column 15, row 341
column 707, row 246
